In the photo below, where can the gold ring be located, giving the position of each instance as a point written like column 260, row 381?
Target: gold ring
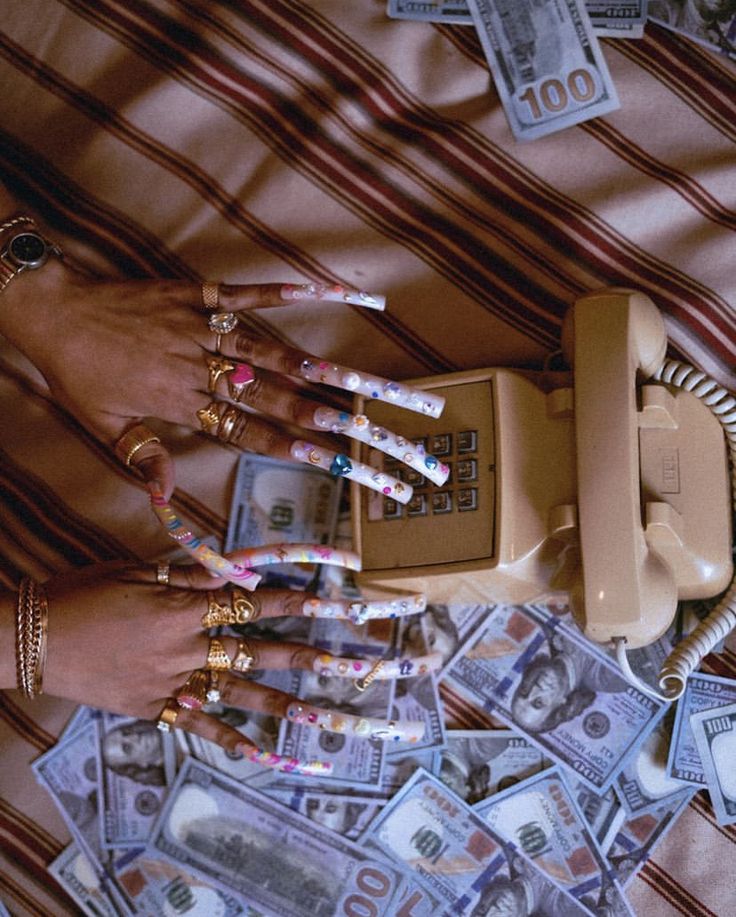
column 193, row 695
column 244, row 658
column 217, row 366
column 209, row 417
column 213, row 689
column 244, row 610
column 167, row 718
column 216, row 614
column 227, row 423
column 217, row 657
column 135, row 438
column 211, row 295
column 163, row 574
column 362, row 683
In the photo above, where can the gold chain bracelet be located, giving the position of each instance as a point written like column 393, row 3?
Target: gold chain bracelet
column 31, row 637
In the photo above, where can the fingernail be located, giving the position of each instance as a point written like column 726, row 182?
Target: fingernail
column 358, row 426
column 404, row 396
column 365, row 727
column 334, row 292
column 282, row 762
column 298, row 553
column 341, row 465
column 360, row 612
column 381, row 669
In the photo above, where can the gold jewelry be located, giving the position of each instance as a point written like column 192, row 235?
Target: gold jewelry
column 168, row 716
column 209, row 417
column 16, row 221
column 216, row 614
column 217, row 657
column 245, row 610
column 135, row 438
column 213, row 689
column 244, row 658
column 362, row 683
column 217, row 366
column 227, row 423
column 163, row 574
column 31, row 633
column 221, row 323
column 193, row 695
column 211, row 295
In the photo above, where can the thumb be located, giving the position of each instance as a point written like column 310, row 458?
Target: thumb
column 141, row 448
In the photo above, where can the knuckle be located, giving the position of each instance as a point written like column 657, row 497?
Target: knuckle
column 245, row 345
column 302, row 657
column 293, row 604
column 253, row 394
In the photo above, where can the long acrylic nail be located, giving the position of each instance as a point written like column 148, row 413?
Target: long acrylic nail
column 342, row 465
column 333, row 292
column 346, row 667
column 365, row 727
column 283, row 763
column 362, row 611
column 297, row 553
column 358, row 426
column 405, row 396
column 201, row 552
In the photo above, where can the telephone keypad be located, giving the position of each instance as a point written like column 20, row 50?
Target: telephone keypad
column 467, row 441
column 440, row 444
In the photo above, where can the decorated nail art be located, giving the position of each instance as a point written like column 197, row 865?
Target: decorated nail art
column 360, row 612
column 365, row 727
column 283, row 763
column 201, row 552
column 358, row 426
column 341, row 465
column 333, row 292
column 404, row 396
column 345, row 667
column 297, row 553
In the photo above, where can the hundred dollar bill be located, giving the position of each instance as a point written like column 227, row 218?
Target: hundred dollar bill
column 604, row 814
column 75, row 873
column 397, row 770
column 702, row 692
column 453, row 853
column 278, row 501
column 155, row 885
column 547, row 682
column 133, row 756
column 710, row 24
column 441, row 629
column 346, row 815
column 82, row 716
column 638, row 837
column 602, row 15
column 480, row 762
column 541, row 817
column 240, row 840
column 715, row 737
column 418, row 699
column 546, row 62
column 644, row 782
column 613, row 12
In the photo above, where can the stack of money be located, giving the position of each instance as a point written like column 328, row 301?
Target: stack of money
column 551, row 809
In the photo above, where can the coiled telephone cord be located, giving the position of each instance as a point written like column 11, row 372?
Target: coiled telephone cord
column 690, row 652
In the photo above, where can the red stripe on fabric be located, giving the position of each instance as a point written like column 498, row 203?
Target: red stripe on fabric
column 23, row 724
column 28, row 833
column 676, row 894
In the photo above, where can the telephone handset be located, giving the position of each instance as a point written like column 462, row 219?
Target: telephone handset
column 613, row 491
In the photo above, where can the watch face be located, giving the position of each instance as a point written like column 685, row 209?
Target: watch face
column 29, row 249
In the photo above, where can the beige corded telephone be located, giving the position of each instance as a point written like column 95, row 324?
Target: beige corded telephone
column 613, row 490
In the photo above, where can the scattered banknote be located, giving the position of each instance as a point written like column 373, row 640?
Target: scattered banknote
column 702, row 692
column 547, row 682
column 637, row 838
column 136, row 763
column 715, row 737
column 645, row 782
column 441, row 629
column 602, row 15
column 613, row 12
column 603, row 814
column 540, row 816
column 547, row 64
column 81, row 717
column 480, row 762
column 455, row 855
column 710, row 24
column 418, row 699
column 241, row 841
column 157, row 885
column 74, row 871
column 277, row 501
column 346, row 815
column 397, row 770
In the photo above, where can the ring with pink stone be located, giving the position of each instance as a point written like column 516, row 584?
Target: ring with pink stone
column 341, row 465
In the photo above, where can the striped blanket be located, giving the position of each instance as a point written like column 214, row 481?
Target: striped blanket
column 283, row 140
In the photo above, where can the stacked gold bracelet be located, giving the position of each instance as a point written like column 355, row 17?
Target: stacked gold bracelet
column 30, row 637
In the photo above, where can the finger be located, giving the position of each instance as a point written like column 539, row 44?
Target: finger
column 139, row 447
column 225, row 297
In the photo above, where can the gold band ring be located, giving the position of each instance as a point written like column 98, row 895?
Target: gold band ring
column 217, row 366
column 213, row 689
column 209, row 417
column 245, row 609
column 216, row 614
column 244, row 658
column 217, row 657
column 211, row 295
column 163, row 574
column 168, row 716
column 227, row 424
column 135, row 438
column 193, row 695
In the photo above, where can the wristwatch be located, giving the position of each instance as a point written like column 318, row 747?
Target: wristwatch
column 25, row 249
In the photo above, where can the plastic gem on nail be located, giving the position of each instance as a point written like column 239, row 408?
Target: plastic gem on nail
column 341, row 465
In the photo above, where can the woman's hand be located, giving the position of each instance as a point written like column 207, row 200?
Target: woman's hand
column 121, row 641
